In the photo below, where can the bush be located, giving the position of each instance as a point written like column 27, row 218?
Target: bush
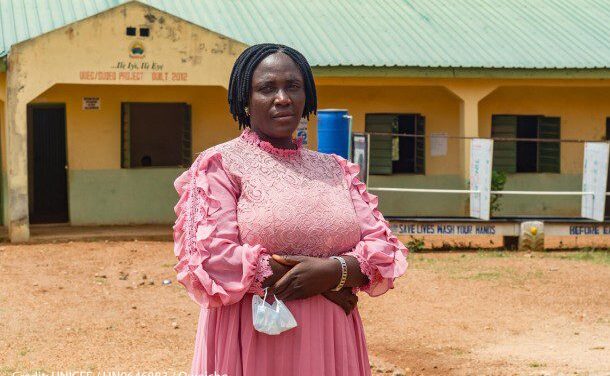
column 498, row 180
column 415, row 244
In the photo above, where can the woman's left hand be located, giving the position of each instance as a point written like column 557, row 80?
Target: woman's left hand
column 308, row 277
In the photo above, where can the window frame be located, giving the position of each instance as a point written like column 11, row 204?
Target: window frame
column 506, row 146
column 419, row 161
column 186, row 142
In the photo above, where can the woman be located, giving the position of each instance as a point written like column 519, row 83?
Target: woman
column 260, row 211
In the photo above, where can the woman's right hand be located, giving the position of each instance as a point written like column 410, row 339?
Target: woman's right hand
column 344, row 298
column 278, row 270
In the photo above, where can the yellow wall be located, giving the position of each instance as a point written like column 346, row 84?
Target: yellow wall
column 583, row 113
column 94, row 139
column 97, row 50
column 439, row 106
column 2, row 120
column 94, row 136
column 3, row 188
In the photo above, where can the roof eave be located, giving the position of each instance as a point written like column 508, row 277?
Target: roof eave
column 461, row 72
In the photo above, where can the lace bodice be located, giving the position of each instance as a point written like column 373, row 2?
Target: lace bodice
column 243, row 200
column 292, row 201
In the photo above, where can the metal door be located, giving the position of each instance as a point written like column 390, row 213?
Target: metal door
column 48, row 171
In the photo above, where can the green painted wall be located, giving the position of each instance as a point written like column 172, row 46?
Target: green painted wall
column 125, row 196
column 3, row 198
column 451, row 205
column 555, row 206
column 138, row 196
column 420, row 204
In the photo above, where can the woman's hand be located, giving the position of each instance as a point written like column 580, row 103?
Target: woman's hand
column 344, row 298
column 278, row 270
column 308, row 277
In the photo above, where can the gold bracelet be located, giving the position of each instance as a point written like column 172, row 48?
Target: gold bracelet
column 343, row 272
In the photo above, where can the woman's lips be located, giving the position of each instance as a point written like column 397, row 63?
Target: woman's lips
column 283, row 117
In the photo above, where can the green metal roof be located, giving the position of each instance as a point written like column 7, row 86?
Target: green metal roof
column 534, row 34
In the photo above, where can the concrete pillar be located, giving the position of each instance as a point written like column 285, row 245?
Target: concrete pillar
column 17, row 219
column 469, row 127
column 470, row 94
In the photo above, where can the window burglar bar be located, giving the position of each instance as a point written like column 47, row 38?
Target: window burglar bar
column 487, row 138
column 467, row 191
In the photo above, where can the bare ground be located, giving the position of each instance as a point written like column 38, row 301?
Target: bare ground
column 101, row 306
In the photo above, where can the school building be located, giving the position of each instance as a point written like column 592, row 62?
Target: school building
column 104, row 103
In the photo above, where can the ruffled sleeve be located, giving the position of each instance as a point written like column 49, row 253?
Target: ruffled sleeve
column 213, row 266
column 381, row 255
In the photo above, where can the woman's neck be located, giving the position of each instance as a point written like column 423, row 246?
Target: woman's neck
column 280, row 143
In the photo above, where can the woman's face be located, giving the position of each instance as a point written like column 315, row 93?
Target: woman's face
column 277, row 96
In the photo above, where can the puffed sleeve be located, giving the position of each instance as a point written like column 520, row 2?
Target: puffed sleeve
column 214, row 267
column 381, row 255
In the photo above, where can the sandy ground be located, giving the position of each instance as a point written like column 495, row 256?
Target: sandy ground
column 101, row 307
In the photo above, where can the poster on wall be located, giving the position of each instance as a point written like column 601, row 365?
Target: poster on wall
column 91, row 103
column 595, row 172
column 302, row 130
column 360, row 155
column 481, row 151
column 438, row 144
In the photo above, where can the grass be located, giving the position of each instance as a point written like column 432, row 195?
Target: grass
column 484, row 276
column 537, row 365
column 596, row 257
column 4, row 370
column 492, row 254
column 480, row 266
column 472, row 266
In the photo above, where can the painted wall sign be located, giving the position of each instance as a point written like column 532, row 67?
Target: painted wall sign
column 454, row 228
column 496, row 228
column 91, row 103
column 136, row 50
column 580, row 229
column 134, row 71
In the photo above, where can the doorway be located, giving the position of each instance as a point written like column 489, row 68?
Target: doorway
column 47, row 164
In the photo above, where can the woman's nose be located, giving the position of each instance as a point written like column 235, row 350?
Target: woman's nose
column 282, row 97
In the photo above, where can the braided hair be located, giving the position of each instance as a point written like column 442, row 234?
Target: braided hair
column 241, row 79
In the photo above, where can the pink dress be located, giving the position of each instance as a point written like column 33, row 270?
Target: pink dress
column 242, row 201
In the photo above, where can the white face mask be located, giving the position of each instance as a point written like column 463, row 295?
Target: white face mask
column 271, row 319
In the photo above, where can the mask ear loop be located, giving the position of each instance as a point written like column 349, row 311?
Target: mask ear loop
column 277, row 306
column 265, row 297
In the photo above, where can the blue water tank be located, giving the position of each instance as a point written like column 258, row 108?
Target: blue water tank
column 334, row 132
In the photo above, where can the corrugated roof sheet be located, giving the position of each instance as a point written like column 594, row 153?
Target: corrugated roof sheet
column 411, row 33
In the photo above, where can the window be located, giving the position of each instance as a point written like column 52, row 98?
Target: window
column 389, row 154
column 155, row 134
column 144, row 31
column 526, row 156
column 131, row 31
